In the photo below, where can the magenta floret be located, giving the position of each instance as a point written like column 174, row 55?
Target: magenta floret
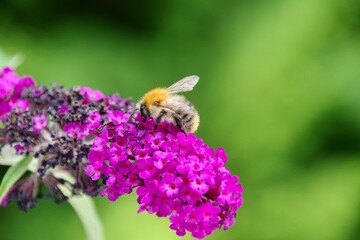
column 11, row 87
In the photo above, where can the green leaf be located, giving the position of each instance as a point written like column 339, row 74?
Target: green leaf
column 12, row 61
column 85, row 208
column 13, row 174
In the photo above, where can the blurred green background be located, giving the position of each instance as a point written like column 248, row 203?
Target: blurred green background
column 279, row 90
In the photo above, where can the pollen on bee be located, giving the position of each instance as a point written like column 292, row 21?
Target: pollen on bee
column 196, row 122
column 156, row 95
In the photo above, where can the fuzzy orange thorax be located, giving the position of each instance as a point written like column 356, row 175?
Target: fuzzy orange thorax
column 156, row 96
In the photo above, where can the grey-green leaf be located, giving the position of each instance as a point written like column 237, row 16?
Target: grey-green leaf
column 85, row 208
column 13, row 174
column 12, row 61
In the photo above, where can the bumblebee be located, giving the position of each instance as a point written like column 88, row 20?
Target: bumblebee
column 163, row 104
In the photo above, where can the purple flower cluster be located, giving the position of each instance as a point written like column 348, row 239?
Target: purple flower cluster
column 56, row 126
column 105, row 147
column 174, row 174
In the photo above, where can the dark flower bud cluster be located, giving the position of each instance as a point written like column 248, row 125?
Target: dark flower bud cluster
column 56, row 126
column 107, row 148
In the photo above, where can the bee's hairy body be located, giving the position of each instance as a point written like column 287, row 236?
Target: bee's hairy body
column 164, row 105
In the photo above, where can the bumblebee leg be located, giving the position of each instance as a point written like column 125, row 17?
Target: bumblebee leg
column 132, row 115
column 178, row 121
column 162, row 113
column 144, row 111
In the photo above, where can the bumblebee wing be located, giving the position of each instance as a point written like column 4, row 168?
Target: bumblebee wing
column 184, row 85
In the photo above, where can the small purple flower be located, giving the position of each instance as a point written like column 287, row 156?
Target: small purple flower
column 94, row 119
column 11, row 88
column 63, row 109
column 154, row 141
column 74, row 130
column 96, row 160
column 171, row 185
column 23, row 83
column 19, row 103
column 39, row 122
column 8, row 81
column 91, row 95
column 93, row 171
column 4, row 109
column 199, row 185
column 147, row 168
column 161, row 158
column 117, row 117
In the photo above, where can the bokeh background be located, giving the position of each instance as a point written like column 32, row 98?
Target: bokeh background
column 279, row 90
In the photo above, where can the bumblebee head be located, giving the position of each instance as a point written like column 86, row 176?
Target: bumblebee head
column 155, row 96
